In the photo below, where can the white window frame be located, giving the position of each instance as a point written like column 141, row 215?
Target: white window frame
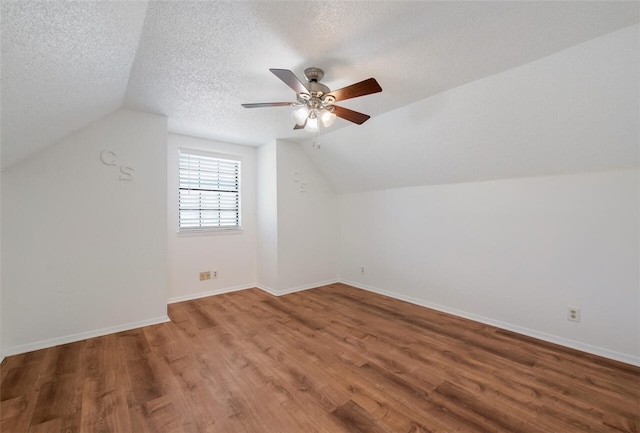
column 207, row 221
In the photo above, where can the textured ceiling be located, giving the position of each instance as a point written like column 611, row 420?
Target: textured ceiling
column 65, row 64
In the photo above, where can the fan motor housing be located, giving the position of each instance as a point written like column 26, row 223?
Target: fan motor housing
column 313, row 76
column 317, row 89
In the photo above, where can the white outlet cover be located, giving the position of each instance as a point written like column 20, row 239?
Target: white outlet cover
column 573, row 314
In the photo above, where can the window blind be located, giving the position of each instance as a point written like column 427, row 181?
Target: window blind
column 209, row 192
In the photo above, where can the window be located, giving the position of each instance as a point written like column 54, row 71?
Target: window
column 209, row 192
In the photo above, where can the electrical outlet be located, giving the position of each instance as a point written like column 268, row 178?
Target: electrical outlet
column 573, row 314
column 205, row 275
column 214, row 274
column 362, row 269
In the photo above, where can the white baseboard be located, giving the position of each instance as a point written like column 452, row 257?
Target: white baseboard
column 600, row 351
column 267, row 289
column 209, row 293
column 595, row 350
column 295, row 289
column 16, row 350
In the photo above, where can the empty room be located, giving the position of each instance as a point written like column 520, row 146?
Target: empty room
column 320, row 216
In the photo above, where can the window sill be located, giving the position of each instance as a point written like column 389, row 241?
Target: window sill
column 213, row 232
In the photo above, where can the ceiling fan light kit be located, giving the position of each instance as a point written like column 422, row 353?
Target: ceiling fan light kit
column 308, row 119
column 300, row 115
column 327, row 117
column 314, row 106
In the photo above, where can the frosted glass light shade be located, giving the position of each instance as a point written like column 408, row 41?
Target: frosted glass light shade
column 327, row 118
column 300, row 115
column 312, row 125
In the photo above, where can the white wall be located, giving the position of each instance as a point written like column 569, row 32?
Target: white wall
column 297, row 221
column 267, row 177
column 232, row 254
column 84, row 253
column 515, row 253
column 307, row 222
column 1, row 323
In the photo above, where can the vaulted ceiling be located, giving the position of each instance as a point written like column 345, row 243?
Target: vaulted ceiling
column 66, row 64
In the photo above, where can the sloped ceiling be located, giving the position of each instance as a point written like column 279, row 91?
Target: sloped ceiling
column 65, row 64
column 574, row 111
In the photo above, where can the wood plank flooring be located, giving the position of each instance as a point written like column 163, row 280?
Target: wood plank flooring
column 332, row 359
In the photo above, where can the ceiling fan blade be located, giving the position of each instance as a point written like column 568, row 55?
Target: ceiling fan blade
column 290, row 80
column 300, row 126
column 267, row 104
column 350, row 115
column 362, row 88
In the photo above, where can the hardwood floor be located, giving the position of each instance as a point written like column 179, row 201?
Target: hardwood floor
column 333, row 359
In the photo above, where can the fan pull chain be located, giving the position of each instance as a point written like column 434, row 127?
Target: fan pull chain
column 316, row 139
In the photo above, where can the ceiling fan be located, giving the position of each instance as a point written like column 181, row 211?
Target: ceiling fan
column 315, row 102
